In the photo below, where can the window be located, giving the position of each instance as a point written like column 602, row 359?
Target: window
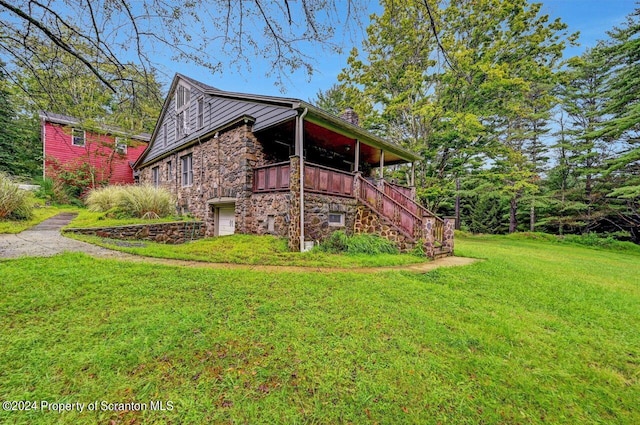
column 187, row 170
column 121, row 146
column 164, row 134
column 182, row 97
column 155, row 176
column 201, row 112
column 77, row 137
column 182, row 111
column 169, row 171
column 336, row 219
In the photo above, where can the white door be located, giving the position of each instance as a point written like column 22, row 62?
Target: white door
column 226, row 220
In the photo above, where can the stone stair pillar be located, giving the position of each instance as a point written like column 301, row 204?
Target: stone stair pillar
column 428, row 223
column 449, row 227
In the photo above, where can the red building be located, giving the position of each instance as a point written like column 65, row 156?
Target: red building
column 108, row 153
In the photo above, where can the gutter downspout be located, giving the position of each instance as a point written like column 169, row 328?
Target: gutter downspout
column 300, row 130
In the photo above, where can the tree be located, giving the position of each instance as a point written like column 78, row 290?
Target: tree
column 60, row 83
column 623, row 104
column 463, row 83
column 115, row 34
column 20, row 150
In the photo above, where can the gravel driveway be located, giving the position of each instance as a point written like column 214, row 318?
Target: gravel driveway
column 45, row 240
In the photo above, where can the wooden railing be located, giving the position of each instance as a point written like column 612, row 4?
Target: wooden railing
column 406, row 191
column 271, row 178
column 392, row 191
column 438, row 231
column 386, row 206
column 328, row 181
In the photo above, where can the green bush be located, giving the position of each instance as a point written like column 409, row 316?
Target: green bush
column 132, row 201
column 52, row 191
column 146, row 202
column 357, row 244
column 15, row 203
column 105, row 198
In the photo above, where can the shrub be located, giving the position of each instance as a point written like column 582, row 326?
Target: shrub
column 15, row 203
column 146, row 202
column 52, row 191
column 357, row 244
column 132, row 201
column 104, row 199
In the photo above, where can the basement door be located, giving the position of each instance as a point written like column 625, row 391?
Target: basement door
column 226, row 220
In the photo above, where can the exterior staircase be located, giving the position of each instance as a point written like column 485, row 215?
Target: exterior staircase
column 414, row 221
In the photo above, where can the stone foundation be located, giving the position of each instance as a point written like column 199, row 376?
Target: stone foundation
column 316, row 218
column 169, row 233
column 367, row 221
column 274, row 207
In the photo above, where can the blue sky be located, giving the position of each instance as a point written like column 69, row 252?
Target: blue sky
column 593, row 18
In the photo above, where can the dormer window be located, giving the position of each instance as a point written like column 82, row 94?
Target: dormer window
column 182, row 97
column 182, row 111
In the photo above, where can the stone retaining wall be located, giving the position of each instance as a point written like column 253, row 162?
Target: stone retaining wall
column 170, row 233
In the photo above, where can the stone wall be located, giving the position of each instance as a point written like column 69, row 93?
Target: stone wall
column 170, row 233
column 316, row 217
column 367, row 221
column 222, row 168
column 270, row 206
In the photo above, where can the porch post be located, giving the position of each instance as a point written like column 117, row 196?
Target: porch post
column 294, row 207
column 300, row 144
column 357, row 157
column 413, row 174
column 381, row 164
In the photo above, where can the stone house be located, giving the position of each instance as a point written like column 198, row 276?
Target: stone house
column 246, row 163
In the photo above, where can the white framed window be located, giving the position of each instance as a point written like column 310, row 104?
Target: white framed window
column 78, row 137
column 182, row 111
column 336, row 219
column 155, row 176
column 182, row 97
column 121, row 146
column 187, row 170
column 169, row 170
column 165, row 136
column 201, row 112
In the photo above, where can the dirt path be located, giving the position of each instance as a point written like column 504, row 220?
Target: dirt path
column 45, row 240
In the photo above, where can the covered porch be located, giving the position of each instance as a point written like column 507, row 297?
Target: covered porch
column 325, row 163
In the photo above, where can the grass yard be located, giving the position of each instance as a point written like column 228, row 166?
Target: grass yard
column 250, row 249
column 86, row 218
column 540, row 332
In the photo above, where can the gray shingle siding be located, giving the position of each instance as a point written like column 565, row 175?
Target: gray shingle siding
column 218, row 111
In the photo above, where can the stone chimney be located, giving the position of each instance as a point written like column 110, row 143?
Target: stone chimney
column 350, row 115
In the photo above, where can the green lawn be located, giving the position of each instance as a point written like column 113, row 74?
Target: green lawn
column 540, row 332
column 251, row 249
column 87, row 218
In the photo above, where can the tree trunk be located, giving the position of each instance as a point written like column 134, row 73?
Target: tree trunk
column 532, row 217
column 513, row 219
